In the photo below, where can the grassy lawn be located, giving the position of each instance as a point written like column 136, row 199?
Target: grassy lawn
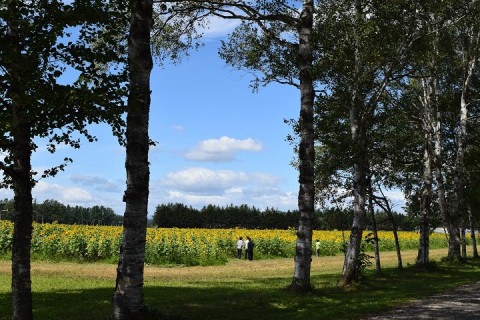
column 240, row 290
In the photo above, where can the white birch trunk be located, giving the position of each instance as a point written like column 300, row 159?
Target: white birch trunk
column 128, row 296
column 306, row 194
column 423, row 257
column 458, row 207
column 360, row 166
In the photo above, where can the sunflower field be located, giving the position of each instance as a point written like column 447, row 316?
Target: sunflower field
column 184, row 246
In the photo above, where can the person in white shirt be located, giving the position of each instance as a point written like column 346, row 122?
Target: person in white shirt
column 245, row 245
column 239, row 248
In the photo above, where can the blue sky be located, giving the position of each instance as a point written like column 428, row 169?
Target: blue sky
column 218, row 143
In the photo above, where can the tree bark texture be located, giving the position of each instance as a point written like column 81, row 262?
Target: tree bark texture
column 472, row 233
column 360, row 159
column 306, row 194
column 128, row 296
column 450, row 223
column 423, row 257
column 458, row 206
column 21, row 175
column 374, row 226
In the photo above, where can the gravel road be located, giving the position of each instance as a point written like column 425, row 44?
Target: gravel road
column 462, row 303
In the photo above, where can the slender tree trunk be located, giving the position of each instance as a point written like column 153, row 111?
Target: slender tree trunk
column 450, row 223
column 374, row 227
column 424, row 243
column 360, row 165
column 464, row 241
column 128, row 296
column 458, row 206
column 472, row 234
column 306, row 194
column 21, row 176
column 395, row 236
column 388, row 211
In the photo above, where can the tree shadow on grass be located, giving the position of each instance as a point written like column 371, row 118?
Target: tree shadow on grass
column 263, row 299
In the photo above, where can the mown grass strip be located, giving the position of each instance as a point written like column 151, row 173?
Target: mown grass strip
column 239, row 290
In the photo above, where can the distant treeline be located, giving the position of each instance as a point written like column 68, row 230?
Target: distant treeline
column 181, row 216
column 52, row 210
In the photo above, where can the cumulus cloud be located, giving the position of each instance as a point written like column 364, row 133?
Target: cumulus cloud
column 218, row 27
column 65, row 194
column 223, row 149
column 200, row 186
column 98, row 183
column 203, row 180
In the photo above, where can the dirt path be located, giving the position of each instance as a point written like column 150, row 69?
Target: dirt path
column 462, row 303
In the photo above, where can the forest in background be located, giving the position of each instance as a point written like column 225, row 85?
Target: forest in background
column 179, row 215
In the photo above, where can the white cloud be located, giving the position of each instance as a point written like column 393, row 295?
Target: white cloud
column 211, row 181
column 202, row 180
column 395, row 195
column 200, row 186
column 218, row 27
column 221, row 150
column 65, row 194
column 98, row 183
column 178, row 128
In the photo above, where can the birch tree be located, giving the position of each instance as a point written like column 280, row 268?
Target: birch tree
column 128, row 296
column 34, row 104
column 275, row 40
column 365, row 51
column 468, row 33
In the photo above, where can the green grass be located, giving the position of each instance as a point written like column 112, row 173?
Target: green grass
column 239, row 290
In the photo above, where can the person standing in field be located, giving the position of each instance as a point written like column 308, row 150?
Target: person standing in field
column 246, row 247
column 317, row 248
column 251, row 244
column 239, row 248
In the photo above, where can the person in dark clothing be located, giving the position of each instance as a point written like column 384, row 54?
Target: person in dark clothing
column 251, row 244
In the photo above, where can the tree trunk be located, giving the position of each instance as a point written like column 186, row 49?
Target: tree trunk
column 22, row 234
column 450, row 223
column 472, row 233
column 458, row 206
column 128, row 296
column 397, row 242
column 360, row 165
column 21, row 176
column 388, row 211
column 374, row 227
column 464, row 241
column 426, row 200
column 306, row 194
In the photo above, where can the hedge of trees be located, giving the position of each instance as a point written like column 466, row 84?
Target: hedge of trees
column 52, row 210
column 179, row 215
column 182, row 216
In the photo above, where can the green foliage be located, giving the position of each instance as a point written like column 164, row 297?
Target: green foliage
column 181, row 216
column 50, row 211
column 363, row 260
column 43, row 41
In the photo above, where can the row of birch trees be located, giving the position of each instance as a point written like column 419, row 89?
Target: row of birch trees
column 388, row 98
